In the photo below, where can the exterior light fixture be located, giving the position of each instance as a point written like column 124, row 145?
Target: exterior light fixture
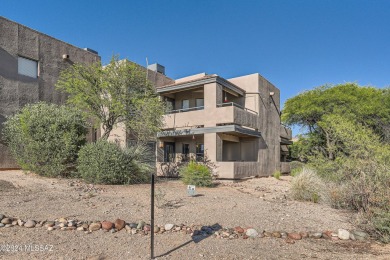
column 272, row 93
column 161, row 144
column 65, row 56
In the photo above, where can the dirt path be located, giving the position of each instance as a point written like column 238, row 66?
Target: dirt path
column 263, row 204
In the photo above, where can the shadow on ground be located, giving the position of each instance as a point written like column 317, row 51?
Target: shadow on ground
column 198, row 236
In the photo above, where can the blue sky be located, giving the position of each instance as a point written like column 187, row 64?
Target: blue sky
column 296, row 45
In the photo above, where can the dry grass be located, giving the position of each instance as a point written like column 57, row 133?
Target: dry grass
column 307, row 186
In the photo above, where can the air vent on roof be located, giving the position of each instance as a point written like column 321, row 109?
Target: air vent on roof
column 90, row 50
column 157, row 67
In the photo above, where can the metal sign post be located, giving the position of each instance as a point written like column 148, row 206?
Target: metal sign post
column 152, row 217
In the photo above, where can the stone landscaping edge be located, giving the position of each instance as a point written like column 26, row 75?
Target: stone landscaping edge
column 196, row 231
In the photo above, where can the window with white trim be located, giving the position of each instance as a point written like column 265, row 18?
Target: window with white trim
column 27, row 67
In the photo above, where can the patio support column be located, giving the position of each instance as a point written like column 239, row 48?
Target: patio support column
column 213, row 147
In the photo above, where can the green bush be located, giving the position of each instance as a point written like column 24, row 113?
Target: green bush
column 307, row 186
column 45, row 138
column 198, row 174
column 107, row 163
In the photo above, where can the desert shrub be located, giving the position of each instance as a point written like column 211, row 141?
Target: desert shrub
column 195, row 173
column 307, row 186
column 45, row 138
column 296, row 167
column 276, row 175
column 381, row 224
column 359, row 176
column 338, row 195
column 107, row 163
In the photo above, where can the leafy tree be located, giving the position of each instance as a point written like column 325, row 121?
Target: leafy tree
column 367, row 106
column 116, row 93
column 45, row 138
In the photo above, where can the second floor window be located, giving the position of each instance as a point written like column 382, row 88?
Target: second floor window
column 199, row 102
column 27, row 67
column 185, row 104
column 170, row 104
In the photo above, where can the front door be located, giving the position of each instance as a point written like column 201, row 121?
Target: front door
column 169, row 152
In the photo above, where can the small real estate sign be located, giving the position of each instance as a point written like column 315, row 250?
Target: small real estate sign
column 191, row 190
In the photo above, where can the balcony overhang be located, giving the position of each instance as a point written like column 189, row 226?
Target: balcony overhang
column 196, row 83
column 285, row 141
column 228, row 129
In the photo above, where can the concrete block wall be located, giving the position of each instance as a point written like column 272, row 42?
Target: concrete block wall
column 268, row 108
column 18, row 90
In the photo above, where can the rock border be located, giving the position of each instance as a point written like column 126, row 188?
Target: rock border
column 196, row 231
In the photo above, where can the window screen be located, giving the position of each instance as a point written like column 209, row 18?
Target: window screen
column 185, row 104
column 27, row 67
column 199, row 102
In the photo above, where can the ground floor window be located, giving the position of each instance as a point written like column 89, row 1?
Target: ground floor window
column 186, row 152
column 199, row 152
column 169, row 152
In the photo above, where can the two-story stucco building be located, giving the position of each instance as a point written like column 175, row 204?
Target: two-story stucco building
column 234, row 123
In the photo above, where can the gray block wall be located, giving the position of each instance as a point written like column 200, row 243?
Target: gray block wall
column 17, row 90
column 269, row 126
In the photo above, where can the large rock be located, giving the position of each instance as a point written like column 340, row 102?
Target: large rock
column 141, row 225
column 107, row 225
column 49, row 224
column 316, row 235
column 276, row 234
column 168, row 227
column 343, row 234
column 304, row 234
column 95, row 226
column 62, row 220
column 251, row 232
column 132, row 225
column 294, row 236
column 30, row 223
column 327, row 234
column 119, row 224
column 6, row 221
column 147, row 228
column 156, row 229
column 239, row 230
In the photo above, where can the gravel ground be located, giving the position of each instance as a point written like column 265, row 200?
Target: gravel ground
column 261, row 203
